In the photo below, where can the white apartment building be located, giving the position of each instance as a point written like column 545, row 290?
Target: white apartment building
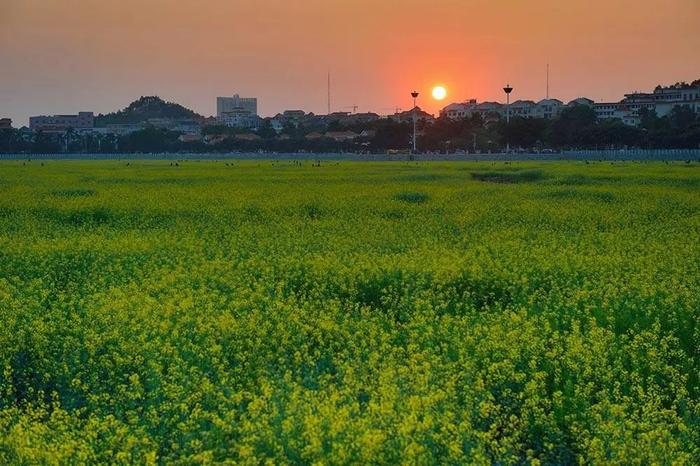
column 662, row 101
column 522, row 108
column 239, row 118
column 548, row 108
column 581, row 101
column 235, row 104
column 458, row 111
column 61, row 123
column 490, row 111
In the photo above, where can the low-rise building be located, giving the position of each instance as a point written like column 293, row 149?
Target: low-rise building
column 408, row 115
column 459, row 110
column 62, row 123
column 214, row 139
column 522, row 108
column 183, row 125
column 662, row 101
column 493, row 111
column 290, row 117
column 210, row 121
column 287, row 118
column 665, row 108
column 5, row 123
column 628, row 113
column 189, row 138
column 297, row 119
column 548, row 108
column 119, row 129
column 490, row 111
column 352, row 118
column 581, row 101
column 247, row 137
column 277, row 125
column 188, row 126
column 341, row 136
column 337, row 116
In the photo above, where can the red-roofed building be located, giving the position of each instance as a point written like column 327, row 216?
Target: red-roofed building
column 341, row 136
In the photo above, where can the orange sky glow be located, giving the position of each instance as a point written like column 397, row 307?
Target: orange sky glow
column 63, row 56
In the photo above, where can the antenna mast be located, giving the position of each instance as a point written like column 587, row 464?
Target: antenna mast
column 548, row 80
column 329, row 93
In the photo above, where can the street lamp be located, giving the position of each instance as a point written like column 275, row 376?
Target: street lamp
column 414, row 94
column 507, row 90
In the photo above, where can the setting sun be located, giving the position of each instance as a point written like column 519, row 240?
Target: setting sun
column 439, row 93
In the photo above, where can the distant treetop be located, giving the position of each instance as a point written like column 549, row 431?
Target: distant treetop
column 680, row 85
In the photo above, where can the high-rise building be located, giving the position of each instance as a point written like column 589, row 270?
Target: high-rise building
column 235, row 104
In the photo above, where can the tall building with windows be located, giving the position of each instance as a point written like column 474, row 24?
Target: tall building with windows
column 235, row 104
column 662, row 101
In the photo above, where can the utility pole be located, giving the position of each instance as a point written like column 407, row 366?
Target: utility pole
column 414, row 94
column 547, row 94
column 508, row 89
column 329, row 92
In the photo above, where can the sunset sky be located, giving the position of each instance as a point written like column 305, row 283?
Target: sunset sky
column 63, row 56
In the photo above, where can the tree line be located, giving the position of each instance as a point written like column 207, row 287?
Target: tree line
column 575, row 128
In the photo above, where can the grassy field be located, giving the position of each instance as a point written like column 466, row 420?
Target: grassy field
column 352, row 313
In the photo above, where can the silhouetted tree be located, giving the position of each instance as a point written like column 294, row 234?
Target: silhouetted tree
column 149, row 139
column 573, row 128
column 44, row 143
column 391, row 135
column 524, row 132
column 266, row 131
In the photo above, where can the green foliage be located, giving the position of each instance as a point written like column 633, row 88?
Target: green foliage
column 150, row 139
column 411, row 197
column 44, row 143
column 509, row 176
column 574, row 127
column 284, row 312
column 10, row 141
column 73, row 192
column 525, row 132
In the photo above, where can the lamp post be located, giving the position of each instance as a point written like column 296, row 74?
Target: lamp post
column 414, row 94
column 508, row 89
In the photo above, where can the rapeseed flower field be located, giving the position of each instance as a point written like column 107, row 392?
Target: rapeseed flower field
column 263, row 312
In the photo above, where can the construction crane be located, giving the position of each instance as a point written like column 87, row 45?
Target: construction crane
column 353, row 107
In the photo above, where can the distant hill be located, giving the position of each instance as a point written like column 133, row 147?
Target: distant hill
column 145, row 108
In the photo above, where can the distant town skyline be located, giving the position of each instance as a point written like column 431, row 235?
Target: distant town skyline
column 98, row 56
